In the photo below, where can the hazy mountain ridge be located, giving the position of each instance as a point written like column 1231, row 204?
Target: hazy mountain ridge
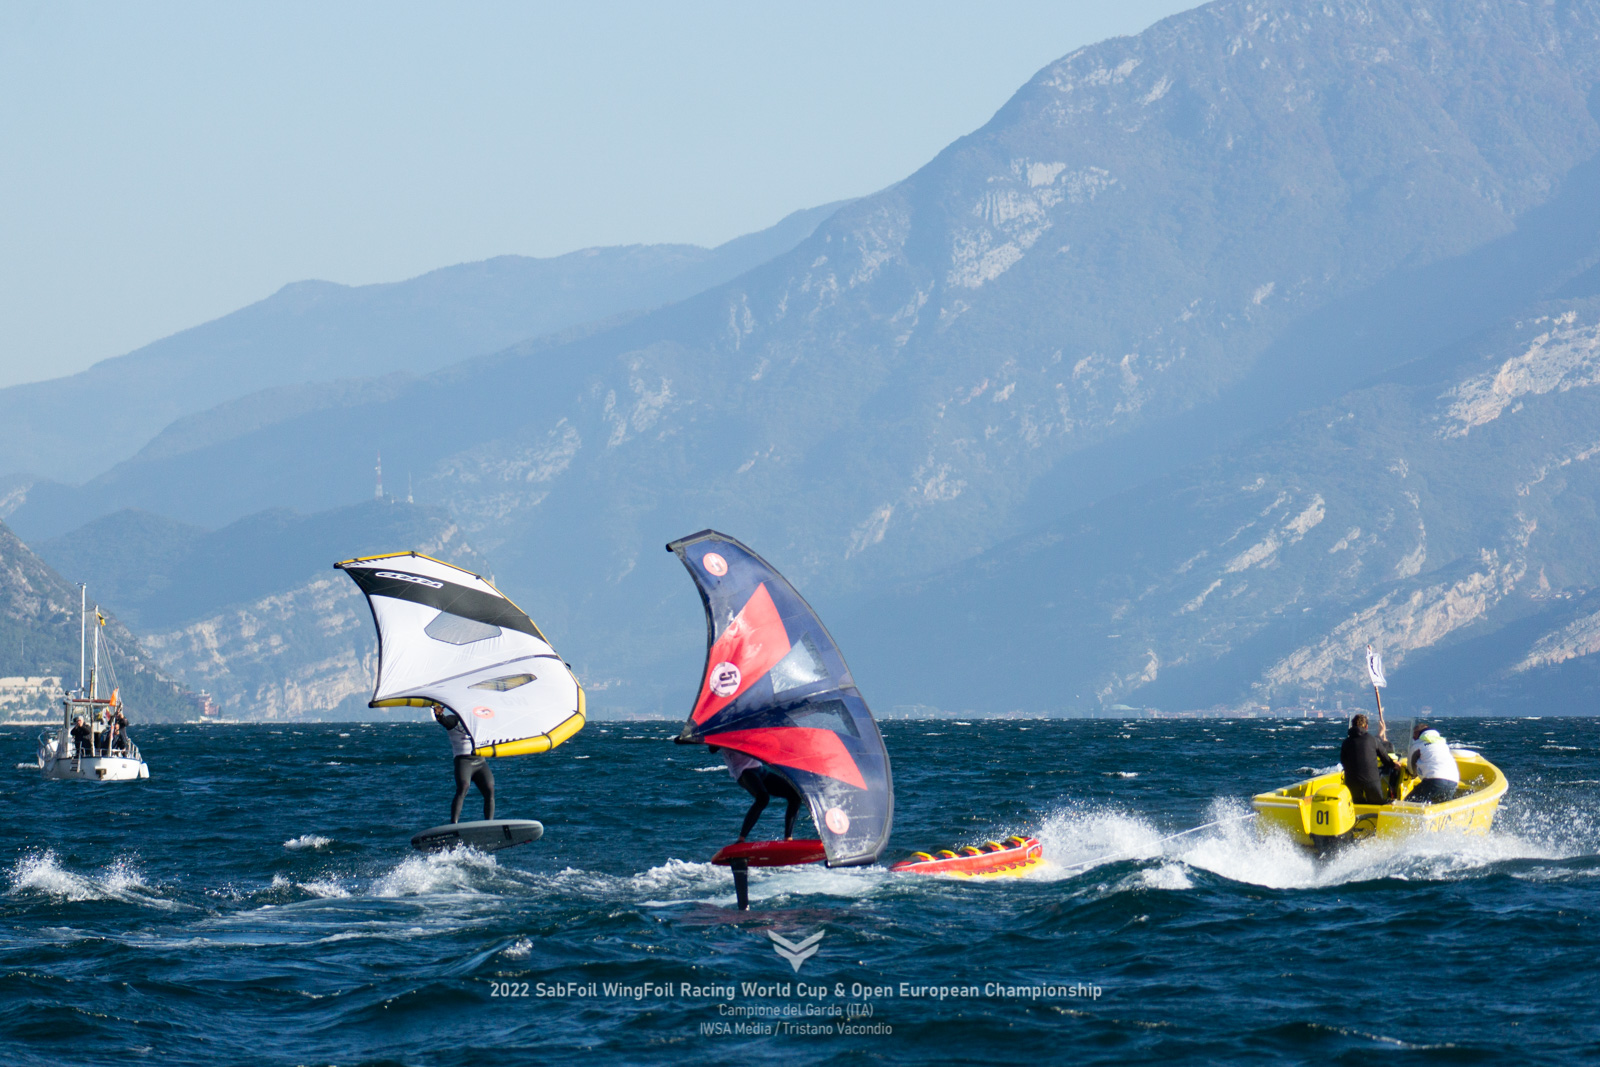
column 315, row 331
column 887, row 325
column 1149, row 238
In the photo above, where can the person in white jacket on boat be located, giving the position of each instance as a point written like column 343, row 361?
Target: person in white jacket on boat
column 1433, row 762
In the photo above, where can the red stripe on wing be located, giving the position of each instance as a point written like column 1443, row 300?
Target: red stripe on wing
column 753, row 642
column 804, row 748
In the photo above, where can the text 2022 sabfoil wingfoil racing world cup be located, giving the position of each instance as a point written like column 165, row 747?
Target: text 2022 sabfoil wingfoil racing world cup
column 775, row 687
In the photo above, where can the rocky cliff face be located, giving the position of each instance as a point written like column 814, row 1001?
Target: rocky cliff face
column 39, row 636
column 1449, row 506
column 299, row 654
column 291, row 638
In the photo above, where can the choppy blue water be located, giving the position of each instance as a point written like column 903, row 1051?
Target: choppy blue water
column 256, row 902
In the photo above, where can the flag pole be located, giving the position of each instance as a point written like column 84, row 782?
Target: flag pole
column 1375, row 676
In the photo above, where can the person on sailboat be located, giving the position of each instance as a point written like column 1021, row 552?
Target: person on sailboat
column 1360, row 756
column 762, row 785
column 102, row 737
column 82, row 738
column 470, row 768
column 100, row 723
column 1431, row 760
column 116, row 730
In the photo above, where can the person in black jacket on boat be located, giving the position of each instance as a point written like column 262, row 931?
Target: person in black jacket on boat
column 82, row 738
column 1360, row 755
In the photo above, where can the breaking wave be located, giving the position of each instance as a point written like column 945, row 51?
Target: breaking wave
column 311, row 841
column 1080, row 840
column 42, row 873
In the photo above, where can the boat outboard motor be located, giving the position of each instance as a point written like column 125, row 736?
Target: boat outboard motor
column 1332, row 816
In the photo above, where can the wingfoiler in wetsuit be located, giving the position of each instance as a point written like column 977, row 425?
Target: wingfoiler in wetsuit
column 763, row 785
column 1360, row 755
column 470, row 768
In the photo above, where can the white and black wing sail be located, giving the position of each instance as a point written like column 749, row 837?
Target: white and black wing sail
column 447, row 636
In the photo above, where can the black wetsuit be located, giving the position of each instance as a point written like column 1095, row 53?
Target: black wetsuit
column 1359, row 755
column 764, row 785
column 470, row 769
column 81, row 741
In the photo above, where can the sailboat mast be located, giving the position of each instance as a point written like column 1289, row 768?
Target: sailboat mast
column 83, row 611
column 94, row 679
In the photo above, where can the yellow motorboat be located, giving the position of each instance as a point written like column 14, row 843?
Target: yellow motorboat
column 1319, row 812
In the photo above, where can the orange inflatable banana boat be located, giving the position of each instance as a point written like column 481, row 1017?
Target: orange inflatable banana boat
column 1014, row 856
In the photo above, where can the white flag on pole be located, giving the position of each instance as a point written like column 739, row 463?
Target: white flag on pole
column 1375, row 668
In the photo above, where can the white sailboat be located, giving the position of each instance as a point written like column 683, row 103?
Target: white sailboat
column 101, row 751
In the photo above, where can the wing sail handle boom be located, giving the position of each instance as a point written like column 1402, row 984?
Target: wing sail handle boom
column 447, row 636
column 776, row 687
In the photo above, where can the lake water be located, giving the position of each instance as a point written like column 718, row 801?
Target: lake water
column 257, row 902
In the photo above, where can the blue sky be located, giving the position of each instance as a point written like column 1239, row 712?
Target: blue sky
column 166, row 163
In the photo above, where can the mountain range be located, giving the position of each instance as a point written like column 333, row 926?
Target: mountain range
column 287, row 353
column 1218, row 353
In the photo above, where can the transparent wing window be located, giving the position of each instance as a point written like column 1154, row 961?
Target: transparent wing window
column 802, row 666
column 505, row 682
column 458, row 630
column 825, row 715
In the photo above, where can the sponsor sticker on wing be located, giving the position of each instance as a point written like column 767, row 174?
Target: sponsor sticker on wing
column 415, row 579
column 714, row 564
column 725, row 679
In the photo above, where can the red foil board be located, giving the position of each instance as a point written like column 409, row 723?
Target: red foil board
column 772, row 853
column 1030, row 851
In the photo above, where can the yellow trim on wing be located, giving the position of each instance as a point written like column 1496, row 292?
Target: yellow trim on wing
column 544, row 742
column 402, row 702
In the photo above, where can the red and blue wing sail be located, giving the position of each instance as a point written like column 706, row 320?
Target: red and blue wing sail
column 776, row 687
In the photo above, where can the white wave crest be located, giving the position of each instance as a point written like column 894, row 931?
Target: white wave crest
column 456, row 870
column 311, row 841
column 1230, row 846
column 1080, row 838
column 326, row 886
column 42, row 872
